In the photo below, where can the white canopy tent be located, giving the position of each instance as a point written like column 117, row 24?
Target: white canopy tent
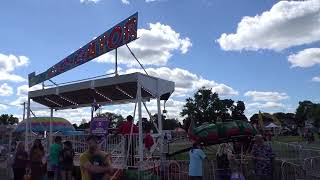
column 272, row 125
column 275, row 128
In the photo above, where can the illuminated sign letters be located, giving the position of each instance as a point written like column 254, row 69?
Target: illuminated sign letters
column 120, row 34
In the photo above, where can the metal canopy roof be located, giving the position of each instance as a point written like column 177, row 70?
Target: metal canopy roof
column 111, row 90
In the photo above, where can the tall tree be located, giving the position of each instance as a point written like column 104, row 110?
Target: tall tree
column 266, row 117
column 167, row 124
column 286, row 119
column 75, row 126
column 316, row 115
column 115, row 119
column 147, row 125
column 206, row 106
column 304, row 112
column 6, row 119
column 238, row 111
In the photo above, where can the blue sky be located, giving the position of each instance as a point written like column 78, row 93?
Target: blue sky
column 266, row 53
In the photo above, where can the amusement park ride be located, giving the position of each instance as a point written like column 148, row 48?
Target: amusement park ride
column 135, row 88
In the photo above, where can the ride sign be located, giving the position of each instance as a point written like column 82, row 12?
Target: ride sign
column 120, row 34
column 99, row 125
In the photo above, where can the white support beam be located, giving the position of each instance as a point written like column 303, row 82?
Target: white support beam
column 160, row 128
column 51, row 118
column 28, row 122
column 140, row 124
column 26, row 133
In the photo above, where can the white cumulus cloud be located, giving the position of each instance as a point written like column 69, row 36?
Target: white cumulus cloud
column 5, row 76
column 128, row 2
column 187, row 82
column 6, row 90
column 89, row 1
column 8, row 63
column 305, row 58
column 22, row 94
column 24, row 89
column 255, row 107
column 18, row 102
column 316, row 79
column 154, row 47
column 266, row 96
column 3, row 107
column 125, row 1
column 72, row 115
column 286, row 24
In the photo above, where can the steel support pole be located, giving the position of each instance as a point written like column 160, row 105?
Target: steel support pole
column 10, row 140
column 140, row 123
column 51, row 133
column 23, row 119
column 160, row 127
column 116, row 63
column 28, row 122
column 92, row 113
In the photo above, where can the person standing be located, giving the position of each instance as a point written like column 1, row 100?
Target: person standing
column 125, row 130
column 66, row 161
column 148, row 141
column 196, row 156
column 55, row 150
column 20, row 162
column 95, row 164
column 224, row 156
column 262, row 156
column 36, row 165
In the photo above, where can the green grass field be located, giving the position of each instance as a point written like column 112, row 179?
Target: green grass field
column 281, row 151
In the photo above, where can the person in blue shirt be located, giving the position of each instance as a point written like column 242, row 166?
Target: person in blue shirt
column 55, row 150
column 196, row 156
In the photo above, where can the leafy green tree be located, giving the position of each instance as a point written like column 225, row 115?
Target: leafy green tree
column 206, row 106
column 167, row 124
column 83, row 126
column 316, row 115
column 238, row 111
column 304, row 112
column 115, row 119
column 75, row 126
column 286, row 118
column 147, row 125
column 266, row 117
column 6, row 119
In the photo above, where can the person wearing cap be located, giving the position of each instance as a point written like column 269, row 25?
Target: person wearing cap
column 262, row 155
column 95, row 164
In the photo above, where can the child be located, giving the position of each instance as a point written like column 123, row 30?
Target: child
column 148, row 141
column 66, row 161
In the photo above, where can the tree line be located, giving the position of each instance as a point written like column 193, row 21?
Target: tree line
column 207, row 107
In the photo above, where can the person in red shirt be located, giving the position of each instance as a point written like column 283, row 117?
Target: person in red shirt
column 148, row 141
column 125, row 129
